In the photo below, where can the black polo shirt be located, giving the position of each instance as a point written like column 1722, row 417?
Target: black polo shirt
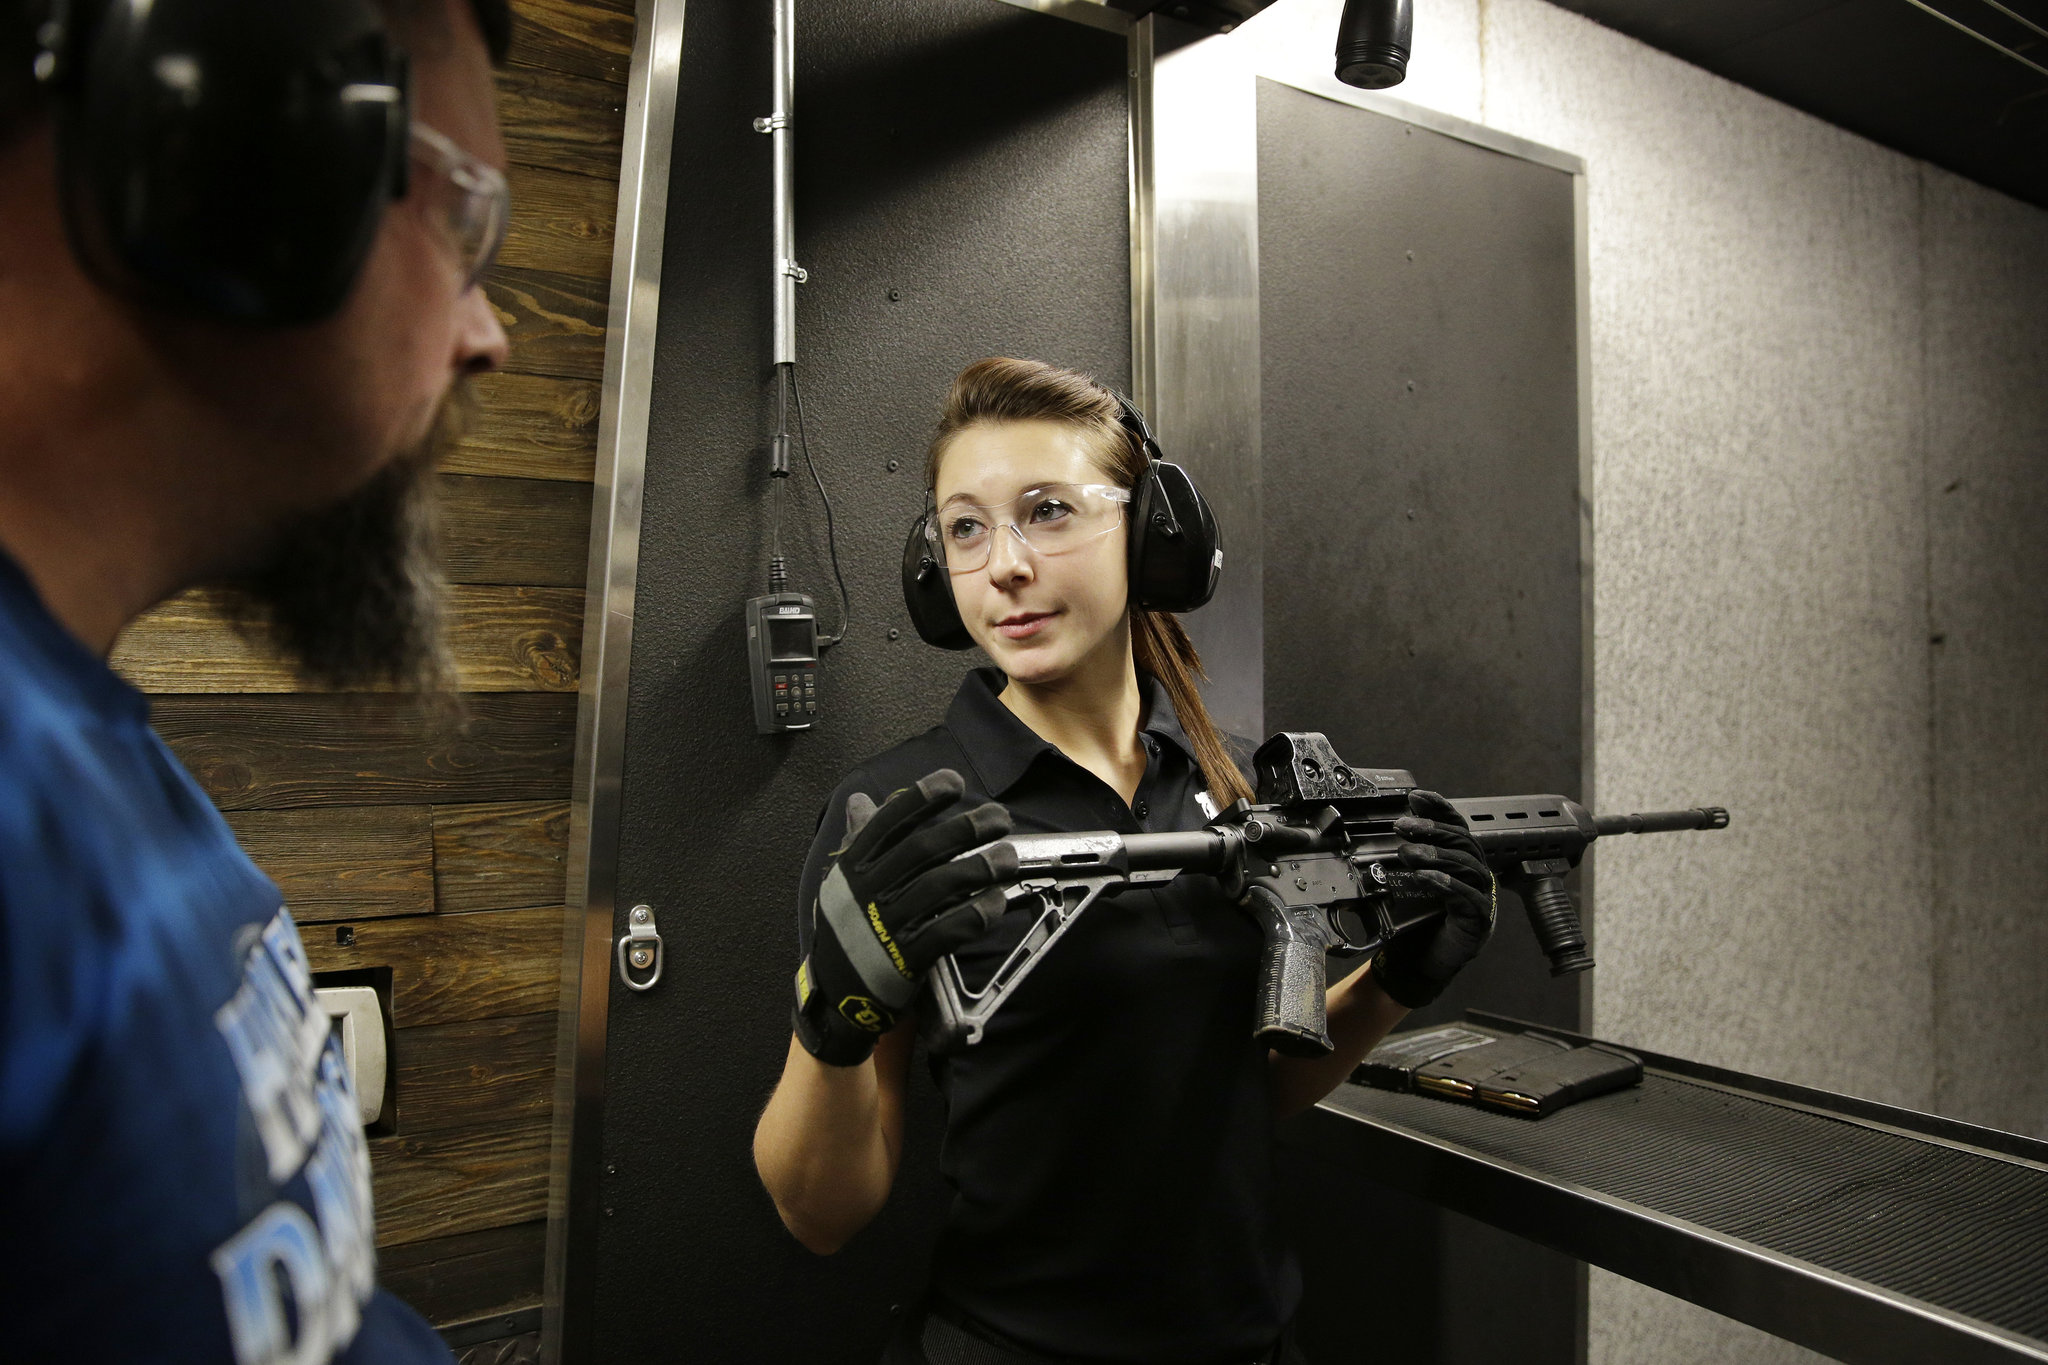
column 1110, row 1140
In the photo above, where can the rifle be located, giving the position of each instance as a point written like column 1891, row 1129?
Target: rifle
column 1312, row 860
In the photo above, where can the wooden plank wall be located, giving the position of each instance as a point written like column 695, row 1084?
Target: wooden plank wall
column 436, row 855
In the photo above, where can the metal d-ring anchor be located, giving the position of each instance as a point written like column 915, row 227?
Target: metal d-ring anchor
column 640, row 948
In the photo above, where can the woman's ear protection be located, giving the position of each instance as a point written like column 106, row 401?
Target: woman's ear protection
column 928, row 592
column 1176, row 554
column 1176, row 550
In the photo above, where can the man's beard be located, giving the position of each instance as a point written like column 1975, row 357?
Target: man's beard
column 353, row 592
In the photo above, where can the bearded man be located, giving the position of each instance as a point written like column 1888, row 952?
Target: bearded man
column 238, row 293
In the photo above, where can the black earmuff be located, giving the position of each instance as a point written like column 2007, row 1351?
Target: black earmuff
column 928, row 592
column 1176, row 550
column 1176, row 553
column 227, row 159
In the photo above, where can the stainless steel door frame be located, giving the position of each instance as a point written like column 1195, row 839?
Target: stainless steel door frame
column 1195, row 321
column 576, row 1148
column 1195, row 313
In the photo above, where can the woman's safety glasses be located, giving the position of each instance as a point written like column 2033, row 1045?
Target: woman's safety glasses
column 1052, row 519
column 467, row 198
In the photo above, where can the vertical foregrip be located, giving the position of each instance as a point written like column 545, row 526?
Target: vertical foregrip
column 1291, row 1017
column 1555, row 921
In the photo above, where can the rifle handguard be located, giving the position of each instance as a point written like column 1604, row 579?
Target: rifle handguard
column 1291, row 1017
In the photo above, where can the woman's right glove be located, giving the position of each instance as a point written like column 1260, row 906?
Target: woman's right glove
column 898, row 898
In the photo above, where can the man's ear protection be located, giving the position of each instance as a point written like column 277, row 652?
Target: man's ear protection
column 227, row 159
column 1175, row 554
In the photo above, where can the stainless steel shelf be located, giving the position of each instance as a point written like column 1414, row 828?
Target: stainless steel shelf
column 1870, row 1233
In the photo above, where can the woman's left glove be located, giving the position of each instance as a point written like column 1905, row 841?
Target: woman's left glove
column 1440, row 850
column 898, row 898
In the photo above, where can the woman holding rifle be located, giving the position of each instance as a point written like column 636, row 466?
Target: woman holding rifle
column 1110, row 1141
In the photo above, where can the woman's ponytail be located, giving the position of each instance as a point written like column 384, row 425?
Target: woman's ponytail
column 1160, row 646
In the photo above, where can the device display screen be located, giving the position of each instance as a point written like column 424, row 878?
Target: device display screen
column 789, row 638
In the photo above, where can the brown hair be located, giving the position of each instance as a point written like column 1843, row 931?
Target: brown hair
column 1004, row 390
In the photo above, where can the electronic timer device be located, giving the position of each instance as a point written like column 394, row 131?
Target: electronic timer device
column 782, row 651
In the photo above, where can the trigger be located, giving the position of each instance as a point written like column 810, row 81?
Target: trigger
column 1354, row 934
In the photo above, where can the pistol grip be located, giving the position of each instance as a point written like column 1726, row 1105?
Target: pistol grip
column 1292, row 983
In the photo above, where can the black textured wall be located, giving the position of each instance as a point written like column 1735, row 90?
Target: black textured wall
column 1418, row 335
column 961, row 192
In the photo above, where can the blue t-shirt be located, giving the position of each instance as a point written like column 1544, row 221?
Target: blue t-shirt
column 183, row 1175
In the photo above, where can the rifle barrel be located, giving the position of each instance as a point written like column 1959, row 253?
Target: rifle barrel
column 1663, row 821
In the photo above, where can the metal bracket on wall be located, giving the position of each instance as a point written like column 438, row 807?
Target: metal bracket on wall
column 640, row 948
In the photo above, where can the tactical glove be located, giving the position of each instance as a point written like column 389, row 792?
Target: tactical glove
column 1440, row 850
column 897, row 899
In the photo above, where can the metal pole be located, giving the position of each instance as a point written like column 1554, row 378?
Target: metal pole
column 787, row 273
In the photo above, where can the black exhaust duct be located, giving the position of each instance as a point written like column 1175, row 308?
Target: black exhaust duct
column 1373, row 39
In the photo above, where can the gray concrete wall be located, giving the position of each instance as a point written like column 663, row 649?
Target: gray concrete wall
column 1760, row 580
column 1986, row 385
column 1820, row 404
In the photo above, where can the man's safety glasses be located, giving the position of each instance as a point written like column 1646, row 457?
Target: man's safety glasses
column 1052, row 519
column 467, row 197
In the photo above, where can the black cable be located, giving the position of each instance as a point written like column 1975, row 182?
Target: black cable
column 803, row 441
column 778, row 579
column 778, row 475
